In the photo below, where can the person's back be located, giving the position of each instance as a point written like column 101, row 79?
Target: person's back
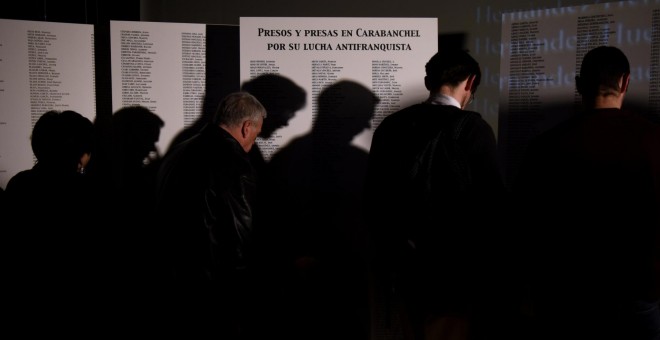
column 54, row 189
column 54, row 245
column 205, row 201
column 433, row 187
column 591, row 190
column 135, row 161
column 60, row 202
column 123, row 171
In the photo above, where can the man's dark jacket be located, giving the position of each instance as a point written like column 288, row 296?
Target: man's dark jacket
column 206, row 190
column 448, row 224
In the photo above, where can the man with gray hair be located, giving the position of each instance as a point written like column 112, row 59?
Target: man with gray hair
column 206, row 190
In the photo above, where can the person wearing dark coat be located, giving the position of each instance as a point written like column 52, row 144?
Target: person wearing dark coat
column 55, row 262
column 589, row 192
column 433, row 194
column 205, row 191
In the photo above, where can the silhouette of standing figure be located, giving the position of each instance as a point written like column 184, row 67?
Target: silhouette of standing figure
column 433, row 190
column 206, row 193
column 314, row 195
column 589, row 194
column 53, row 241
column 135, row 162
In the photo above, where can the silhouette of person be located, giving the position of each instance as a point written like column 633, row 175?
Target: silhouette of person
column 431, row 238
column 314, row 196
column 53, row 242
column 588, row 191
column 206, row 191
column 136, row 131
column 134, row 163
column 282, row 98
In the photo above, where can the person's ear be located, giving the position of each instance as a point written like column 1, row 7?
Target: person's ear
column 470, row 82
column 84, row 160
column 245, row 128
column 624, row 82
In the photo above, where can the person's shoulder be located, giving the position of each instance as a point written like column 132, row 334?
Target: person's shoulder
column 647, row 128
column 454, row 113
column 413, row 113
column 19, row 180
column 649, row 122
column 472, row 120
column 393, row 121
column 23, row 174
column 403, row 113
column 472, row 116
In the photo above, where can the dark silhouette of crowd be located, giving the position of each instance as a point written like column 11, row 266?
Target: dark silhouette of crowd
column 230, row 235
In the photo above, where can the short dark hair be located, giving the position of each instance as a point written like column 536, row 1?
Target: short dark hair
column 450, row 67
column 601, row 69
column 236, row 107
column 59, row 139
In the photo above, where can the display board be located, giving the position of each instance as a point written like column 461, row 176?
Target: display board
column 161, row 66
column 43, row 66
column 385, row 55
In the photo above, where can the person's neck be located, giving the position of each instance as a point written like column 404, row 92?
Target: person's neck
column 607, row 102
column 453, row 92
column 442, row 99
column 460, row 92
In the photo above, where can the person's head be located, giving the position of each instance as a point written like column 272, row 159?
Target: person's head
column 453, row 72
column 280, row 96
column 345, row 106
column 242, row 115
column 63, row 141
column 136, row 129
column 604, row 74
